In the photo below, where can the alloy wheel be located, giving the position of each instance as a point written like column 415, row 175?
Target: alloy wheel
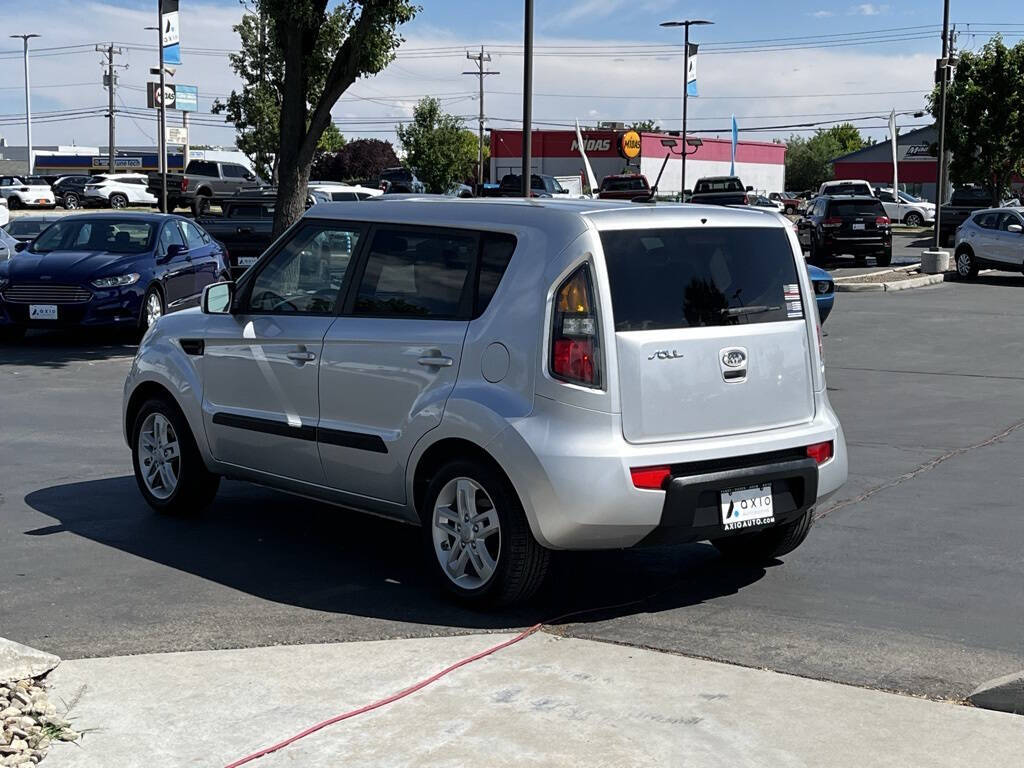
column 154, row 308
column 159, row 456
column 466, row 533
column 963, row 264
column 913, row 220
column 70, row 201
column 118, row 201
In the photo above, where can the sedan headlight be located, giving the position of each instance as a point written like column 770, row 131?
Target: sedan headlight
column 3, row 283
column 822, row 287
column 116, row 282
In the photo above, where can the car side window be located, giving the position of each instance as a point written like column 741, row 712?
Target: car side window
column 417, row 274
column 886, row 197
column 1006, row 219
column 495, row 253
column 986, row 220
column 170, row 235
column 307, row 274
column 192, row 235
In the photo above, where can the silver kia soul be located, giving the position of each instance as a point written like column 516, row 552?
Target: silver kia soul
column 514, row 376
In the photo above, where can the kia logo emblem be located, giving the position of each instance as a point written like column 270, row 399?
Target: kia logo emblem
column 734, row 358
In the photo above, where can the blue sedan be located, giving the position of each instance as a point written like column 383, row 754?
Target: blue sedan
column 114, row 270
column 824, row 290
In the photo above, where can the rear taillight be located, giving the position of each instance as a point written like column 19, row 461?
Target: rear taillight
column 821, row 452
column 832, row 221
column 746, row 200
column 650, row 478
column 575, row 336
column 881, row 221
column 184, row 183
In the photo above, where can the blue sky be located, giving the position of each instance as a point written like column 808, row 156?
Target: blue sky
column 592, row 65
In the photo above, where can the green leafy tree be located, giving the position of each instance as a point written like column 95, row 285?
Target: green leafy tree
column 471, row 151
column 645, row 126
column 809, row 160
column 437, row 145
column 359, row 160
column 298, row 57
column 985, row 117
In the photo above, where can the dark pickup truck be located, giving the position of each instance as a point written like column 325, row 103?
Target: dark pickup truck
column 203, row 182
column 964, row 202
column 719, row 190
column 246, row 229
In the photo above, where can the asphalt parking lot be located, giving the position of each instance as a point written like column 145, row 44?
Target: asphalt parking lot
column 910, row 580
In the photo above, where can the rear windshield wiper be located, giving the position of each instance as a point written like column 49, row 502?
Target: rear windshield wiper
column 755, row 309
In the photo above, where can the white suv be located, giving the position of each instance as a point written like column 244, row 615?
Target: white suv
column 119, row 190
column 26, row 192
column 514, row 376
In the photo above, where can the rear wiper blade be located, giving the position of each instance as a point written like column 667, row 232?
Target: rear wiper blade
column 755, row 309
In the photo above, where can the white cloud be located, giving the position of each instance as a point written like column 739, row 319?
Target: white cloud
column 822, row 14
column 869, row 9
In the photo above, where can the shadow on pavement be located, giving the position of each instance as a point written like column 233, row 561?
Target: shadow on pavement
column 55, row 349
column 311, row 555
column 1008, row 279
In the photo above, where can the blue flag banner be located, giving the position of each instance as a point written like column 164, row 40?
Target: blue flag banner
column 170, row 31
column 735, row 139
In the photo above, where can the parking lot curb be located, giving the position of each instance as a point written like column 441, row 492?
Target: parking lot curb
column 19, row 662
column 1003, row 694
column 896, row 285
column 855, row 278
column 859, row 287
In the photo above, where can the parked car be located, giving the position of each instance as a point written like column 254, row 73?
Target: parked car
column 69, row 191
column 120, row 270
column 908, row 209
column 5, row 213
column 760, row 201
column 245, row 228
column 118, row 190
column 720, row 190
column 541, row 185
column 514, row 378
column 788, row 200
column 824, row 290
column 624, row 186
column 990, row 239
column 204, row 182
column 847, row 187
column 396, row 180
column 335, row 192
column 964, row 201
column 23, row 194
column 27, row 228
column 846, row 224
column 460, row 190
column 9, row 245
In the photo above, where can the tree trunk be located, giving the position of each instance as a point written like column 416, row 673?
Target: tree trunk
column 293, row 175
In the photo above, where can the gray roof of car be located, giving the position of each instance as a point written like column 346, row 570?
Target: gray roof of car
column 498, row 213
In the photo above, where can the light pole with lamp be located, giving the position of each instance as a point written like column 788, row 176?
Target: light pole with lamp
column 162, row 138
column 670, row 145
column 28, row 100
column 685, row 24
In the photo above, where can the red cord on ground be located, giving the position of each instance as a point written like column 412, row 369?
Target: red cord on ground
column 382, row 702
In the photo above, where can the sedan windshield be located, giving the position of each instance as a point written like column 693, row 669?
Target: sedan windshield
column 27, row 227
column 106, row 234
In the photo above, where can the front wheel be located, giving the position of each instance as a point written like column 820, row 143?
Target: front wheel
column 200, row 205
column 118, row 200
column 168, row 467
column 152, row 309
column 14, row 202
column 966, row 266
column 790, row 210
column 477, row 538
column 884, row 258
column 70, row 202
column 764, row 546
column 913, row 219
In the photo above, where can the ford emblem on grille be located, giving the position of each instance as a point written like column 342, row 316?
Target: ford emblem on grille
column 734, row 358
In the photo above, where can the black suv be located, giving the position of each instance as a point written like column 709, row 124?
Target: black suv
column 846, row 224
column 541, row 185
column 401, row 180
column 69, row 191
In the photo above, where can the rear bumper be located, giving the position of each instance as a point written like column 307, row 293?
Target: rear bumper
column 571, row 469
column 856, row 245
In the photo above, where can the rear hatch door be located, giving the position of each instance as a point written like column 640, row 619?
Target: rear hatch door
column 859, row 217
column 711, row 335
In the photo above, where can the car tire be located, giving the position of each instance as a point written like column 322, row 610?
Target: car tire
column 762, row 547
column 913, row 219
column 70, row 201
column 181, row 484
column 884, row 258
column 14, row 202
column 966, row 265
column 790, row 210
column 510, row 565
column 10, row 334
column 118, row 200
column 200, row 205
column 151, row 303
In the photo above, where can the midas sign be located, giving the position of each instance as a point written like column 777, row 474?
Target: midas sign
column 629, row 144
column 592, row 145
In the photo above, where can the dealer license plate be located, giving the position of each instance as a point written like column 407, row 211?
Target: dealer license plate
column 42, row 311
column 246, row 261
column 805, row 238
column 747, row 507
column 858, row 226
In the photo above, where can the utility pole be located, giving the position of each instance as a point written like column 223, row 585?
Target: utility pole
column 685, row 24
column 935, row 260
column 528, row 99
column 28, row 102
column 110, row 81
column 161, row 142
column 480, row 58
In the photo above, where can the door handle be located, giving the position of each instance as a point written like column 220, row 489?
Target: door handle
column 301, row 356
column 244, row 230
column 436, row 362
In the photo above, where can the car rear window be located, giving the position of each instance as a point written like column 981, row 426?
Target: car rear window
column 856, row 208
column 615, row 185
column 718, row 185
column 691, row 278
column 847, row 189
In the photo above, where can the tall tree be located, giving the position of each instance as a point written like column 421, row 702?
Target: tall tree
column 985, row 116
column 359, row 160
column 809, row 160
column 437, row 145
column 321, row 53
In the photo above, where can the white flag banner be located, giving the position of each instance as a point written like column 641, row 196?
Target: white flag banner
column 895, row 157
column 691, row 71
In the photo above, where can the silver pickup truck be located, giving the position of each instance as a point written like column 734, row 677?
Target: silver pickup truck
column 203, row 182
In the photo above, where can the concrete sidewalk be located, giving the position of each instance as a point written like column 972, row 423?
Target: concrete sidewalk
column 547, row 701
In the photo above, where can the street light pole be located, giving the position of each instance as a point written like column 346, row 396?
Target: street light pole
column 28, row 100
column 685, row 24
column 161, row 142
column 528, row 99
column 940, row 180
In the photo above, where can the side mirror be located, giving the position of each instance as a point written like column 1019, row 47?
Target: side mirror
column 1015, row 228
column 20, row 247
column 217, row 298
column 750, row 189
column 174, row 250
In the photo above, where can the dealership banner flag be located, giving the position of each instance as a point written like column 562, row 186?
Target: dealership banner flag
column 170, row 31
column 895, row 156
column 691, row 71
column 735, row 138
